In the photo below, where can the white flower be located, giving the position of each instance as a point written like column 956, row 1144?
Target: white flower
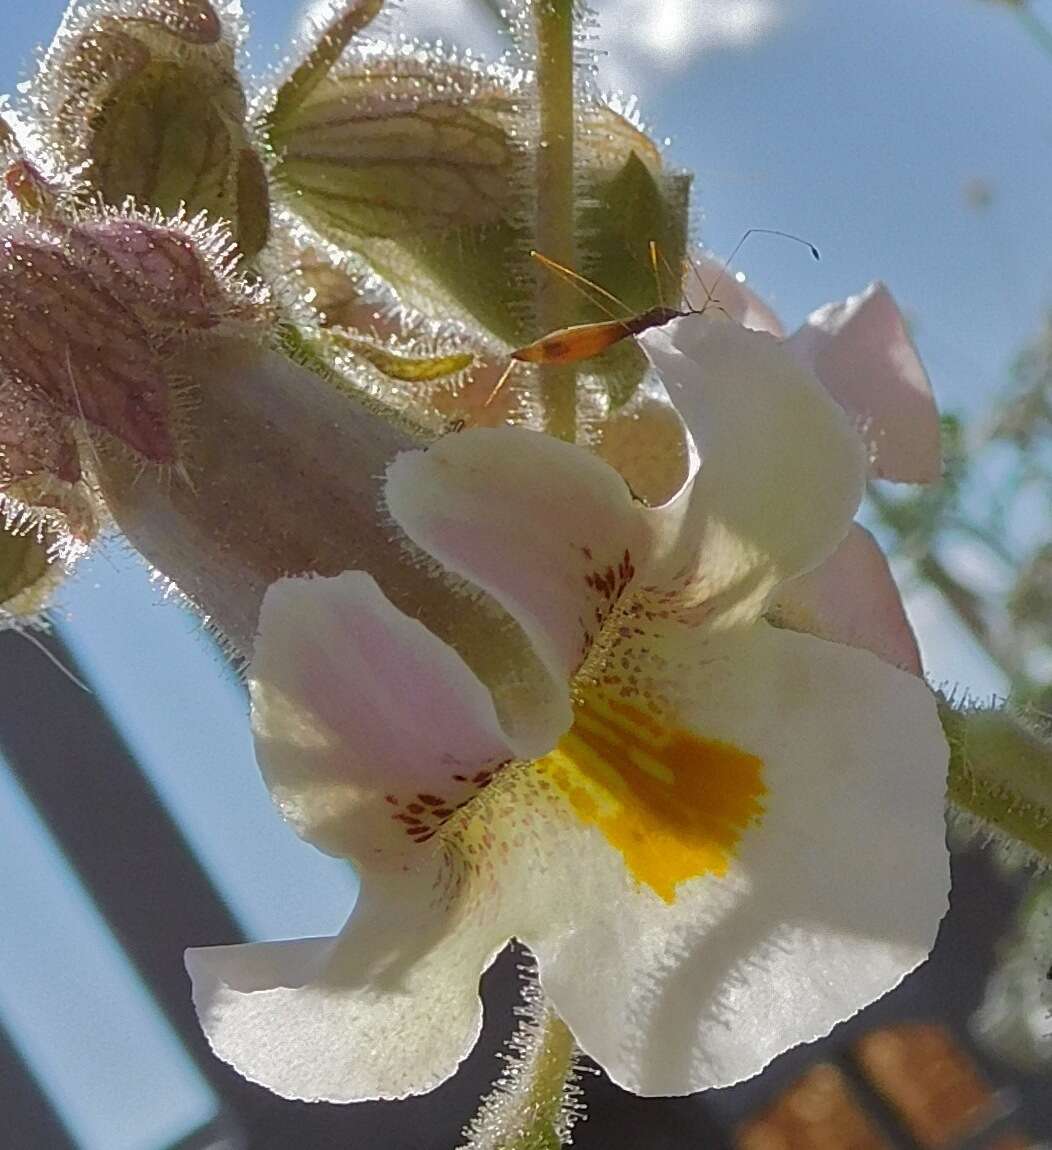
column 718, row 837
column 860, row 348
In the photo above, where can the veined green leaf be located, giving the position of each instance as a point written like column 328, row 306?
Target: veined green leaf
column 414, row 166
column 164, row 139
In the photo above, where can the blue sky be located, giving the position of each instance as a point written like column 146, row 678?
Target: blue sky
column 856, row 125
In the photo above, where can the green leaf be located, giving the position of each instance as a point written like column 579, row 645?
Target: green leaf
column 401, row 147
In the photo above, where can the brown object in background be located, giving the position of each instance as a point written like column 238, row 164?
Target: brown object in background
column 818, row 1112
column 929, row 1080
column 1011, row 1141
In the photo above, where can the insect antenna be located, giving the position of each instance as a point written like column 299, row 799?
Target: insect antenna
column 709, row 298
column 584, row 286
column 654, row 254
column 738, row 247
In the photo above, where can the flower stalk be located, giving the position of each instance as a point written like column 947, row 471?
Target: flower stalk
column 1000, row 781
column 536, row 1101
column 554, row 23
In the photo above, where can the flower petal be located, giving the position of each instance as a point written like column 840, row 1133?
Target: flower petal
column 861, row 350
column 547, row 529
column 832, row 898
column 647, row 444
column 370, row 731
column 851, row 598
column 387, row 1009
column 713, row 284
column 781, row 474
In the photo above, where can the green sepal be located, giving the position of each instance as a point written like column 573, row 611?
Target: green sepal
column 157, row 111
column 1000, row 778
column 624, row 214
column 319, row 62
column 536, row 1102
column 414, row 167
column 26, row 575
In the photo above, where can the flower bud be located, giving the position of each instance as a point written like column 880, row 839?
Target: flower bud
column 90, row 314
column 150, row 100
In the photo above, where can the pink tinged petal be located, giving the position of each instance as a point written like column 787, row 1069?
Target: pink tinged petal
column 370, row 731
column 861, row 350
column 711, row 284
column 386, row 1010
column 547, row 529
column 781, row 474
column 851, row 598
column 69, row 339
column 835, row 893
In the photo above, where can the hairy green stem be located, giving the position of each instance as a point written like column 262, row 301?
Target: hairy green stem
column 554, row 23
column 534, row 1105
column 1000, row 779
column 552, row 1068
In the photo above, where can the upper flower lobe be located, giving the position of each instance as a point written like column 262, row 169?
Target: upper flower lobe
column 718, row 838
column 860, row 348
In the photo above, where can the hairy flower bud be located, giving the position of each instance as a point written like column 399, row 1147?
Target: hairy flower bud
column 149, row 100
column 90, row 315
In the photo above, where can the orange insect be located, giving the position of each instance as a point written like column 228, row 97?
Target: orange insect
column 584, row 340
